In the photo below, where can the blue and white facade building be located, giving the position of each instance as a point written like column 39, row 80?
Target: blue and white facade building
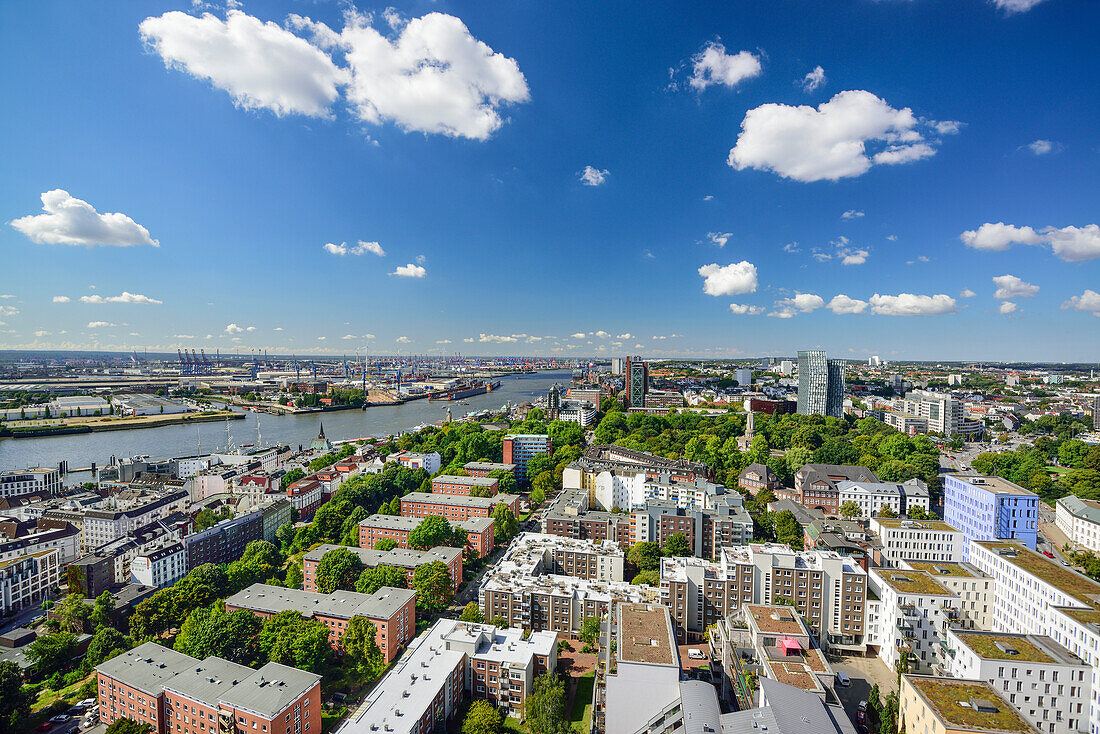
column 990, row 508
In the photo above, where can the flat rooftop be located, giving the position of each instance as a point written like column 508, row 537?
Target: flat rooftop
column 405, row 522
column 1080, row 587
column 996, row 485
column 400, row 557
column 895, row 523
column 1021, row 648
column 911, row 582
column 471, row 481
column 777, row 620
column 944, row 568
column 953, row 702
column 382, row 604
column 645, row 635
column 460, row 500
column 488, row 466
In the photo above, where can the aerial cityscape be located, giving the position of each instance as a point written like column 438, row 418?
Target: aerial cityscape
column 487, row 368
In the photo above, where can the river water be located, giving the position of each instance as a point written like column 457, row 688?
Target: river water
column 81, row 450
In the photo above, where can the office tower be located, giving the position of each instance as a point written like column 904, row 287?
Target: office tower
column 1096, row 413
column 820, row 384
column 743, row 377
column 898, row 384
column 637, row 382
column 553, row 403
column 786, row 367
column 616, row 365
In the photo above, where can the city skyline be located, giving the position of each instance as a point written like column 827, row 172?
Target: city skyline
column 914, row 180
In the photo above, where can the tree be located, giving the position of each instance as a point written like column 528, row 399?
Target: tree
column 72, row 613
column 290, row 478
column 360, row 642
column 385, row 544
column 433, row 585
column 787, row 530
column 105, row 644
column 290, row 639
column 590, row 630
column 544, row 485
column 373, row 579
column 155, row 614
column 213, row 631
column 101, row 610
column 128, row 726
column 537, row 496
column 677, row 545
column 294, row 577
column 472, row 613
column 545, row 707
column 645, row 556
column 74, row 577
column 886, row 511
column 482, row 718
column 917, row 512
column 506, row 481
column 888, row 716
column 433, row 530
column 338, row 569
column 505, row 525
column 285, row 534
column 52, row 653
column 15, row 701
column 649, row 578
column 850, row 510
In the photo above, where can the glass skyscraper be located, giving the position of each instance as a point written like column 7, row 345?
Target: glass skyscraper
column 820, row 384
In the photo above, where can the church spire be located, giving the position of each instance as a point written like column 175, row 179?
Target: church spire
column 321, row 435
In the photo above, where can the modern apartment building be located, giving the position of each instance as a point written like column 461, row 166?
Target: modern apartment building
column 173, row 692
column 18, row 537
column 449, row 663
column 990, row 508
column 484, row 468
column 973, row 606
column 1079, row 520
column 392, row 611
column 117, row 518
column 909, row 618
column 941, row 413
column 1046, row 683
column 404, row 558
column 224, row 542
column 820, row 384
column 917, row 540
column 479, row 532
column 929, row 705
column 429, row 462
column 40, row 480
column 519, row 448
column 161, row 567
column 706, row 531
column 27, row 580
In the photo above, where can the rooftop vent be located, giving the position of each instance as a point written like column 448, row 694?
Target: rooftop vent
column 1006, row 648
column 984, row 705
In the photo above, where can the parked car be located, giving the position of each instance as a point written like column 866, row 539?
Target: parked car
column 87, row 703
column 1048, row 554
column 862, row 706
column 44, row 726
column 842, row 679
column 1065, row 563
column 60, row 719
column 696, row 654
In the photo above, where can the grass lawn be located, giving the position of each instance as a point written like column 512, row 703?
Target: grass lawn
column 1057, row 470
column 582, row 703
column 43, row 708
column 511, row 724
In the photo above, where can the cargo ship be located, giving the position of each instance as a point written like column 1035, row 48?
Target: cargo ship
column 466, row 390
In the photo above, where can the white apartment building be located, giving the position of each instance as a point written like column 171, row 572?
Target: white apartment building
column 1079, row 520
column 943, row 412
column 918, row 540
column 973, row 590
column 1035, row 595
column 1042, row 680
column 40, row 480
column 28, row 579
column 872, row 497
column 429, row 462
column 162, row 567
column 910, row 616
column 116, row 519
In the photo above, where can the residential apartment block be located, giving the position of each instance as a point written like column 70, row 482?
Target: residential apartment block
column 173, row 692
column 484, row 468
column 931, row 705
column 451, row 662
column 452, row 485
column 909, row 617
column 29, row 579
column 392, row 611
column 1079, row 520
column 990, row 508
column 162, row 567
column 519, row 448
column 479, row 531
column 403, row 558
column 918, row 540
column 872, row 497
column 815, row 485
column 40, row 480
column 455, row 508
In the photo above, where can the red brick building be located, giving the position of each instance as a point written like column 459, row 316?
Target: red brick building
column 484, row 468
column 464, row 486
column 479, row 532
column 455, row 508
column 406, row 559
column 176, row 694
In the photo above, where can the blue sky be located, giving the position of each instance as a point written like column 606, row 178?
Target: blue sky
column 570, row 179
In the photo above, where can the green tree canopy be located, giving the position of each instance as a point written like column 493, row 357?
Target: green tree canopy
column 72, row 613
column 545, row 707
column 128, row 726
column 385, row 544
column 105, row 644
column 433, row 585
column 505, row 525
column 290, row 639
column 360, row 643
column 590, row 630
column 373, row 579
column 472, row 613
column 645, row 556
column 212, row 631
column 338, row 569
column 850, row 510
column 15, row 700
column 787, row 530
column 433, row 530
column 677, row 545
column 482, row 718
column 52, row 653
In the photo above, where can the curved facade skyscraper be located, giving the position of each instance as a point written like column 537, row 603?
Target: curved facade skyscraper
column 820, row 384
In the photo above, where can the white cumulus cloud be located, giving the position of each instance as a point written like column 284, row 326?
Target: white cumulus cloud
column 1009, row 286
column 233, row 329
column 852, row 256
column 578, row 335
column 99, row 324
column 851, row 214
column 410, row 271
column 332, row 249
column 403, row 340
column 1089, row 301
column 842, row 304
column 712, row 65
column 1016, row 6
column 593, row 176
column 1040, row 147
column 261, row 65
column 360, row 249
column 183, row 336
column 496, row 339
column 743, row 309
column 813, row 80
column 124, row 297
column 999, row 236
column 1074, row 244
column 729, row 280
column 967, row 293
column 830, row 141
column 719, row 238
column 71, row 221
column 909, row 304
column 61, row 299
column 799, row 303
column 1007, row 307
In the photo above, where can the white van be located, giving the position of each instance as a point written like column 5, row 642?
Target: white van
column 842, row 679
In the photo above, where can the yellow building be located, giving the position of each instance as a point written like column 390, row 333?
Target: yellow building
column 928, row 705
